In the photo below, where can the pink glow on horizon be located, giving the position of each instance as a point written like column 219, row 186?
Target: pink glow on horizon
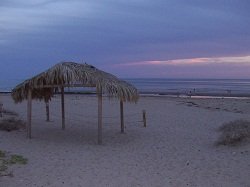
column 193, row 61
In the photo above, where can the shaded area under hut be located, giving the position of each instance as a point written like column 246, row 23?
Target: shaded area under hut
column 71, row 74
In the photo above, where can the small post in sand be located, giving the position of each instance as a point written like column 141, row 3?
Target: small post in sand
column 144, row 118
column 63, row 111
column 99, row 94
column 122, row 116
column 1, row 109
column 29, row 106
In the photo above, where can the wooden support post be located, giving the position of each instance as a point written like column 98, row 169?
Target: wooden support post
column 29, row 108
column 47, row 110
column 63, row 111
column 99, row 93
column 122, row 116
column 144, row 118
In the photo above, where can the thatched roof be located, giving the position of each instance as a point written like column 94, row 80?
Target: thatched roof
column 68, row 74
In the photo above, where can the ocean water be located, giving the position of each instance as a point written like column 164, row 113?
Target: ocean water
column 227, row 87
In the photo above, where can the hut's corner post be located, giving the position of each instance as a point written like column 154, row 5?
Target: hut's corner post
column 47, row 110
column 122, row 116
column 63, row 111
column 99, row 94
column 29, row 108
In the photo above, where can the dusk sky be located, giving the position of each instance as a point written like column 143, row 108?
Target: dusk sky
column 128, row 38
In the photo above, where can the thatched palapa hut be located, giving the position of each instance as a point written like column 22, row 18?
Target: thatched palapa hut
column 71, row 74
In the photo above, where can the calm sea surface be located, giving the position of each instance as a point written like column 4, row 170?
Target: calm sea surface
column 234, row 87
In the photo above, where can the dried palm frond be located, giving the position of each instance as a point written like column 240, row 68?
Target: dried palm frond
column 69, row 74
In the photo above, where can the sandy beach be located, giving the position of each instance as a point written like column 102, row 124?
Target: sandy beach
column 176, row 149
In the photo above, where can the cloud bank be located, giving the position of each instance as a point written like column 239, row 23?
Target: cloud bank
column 38, row 34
